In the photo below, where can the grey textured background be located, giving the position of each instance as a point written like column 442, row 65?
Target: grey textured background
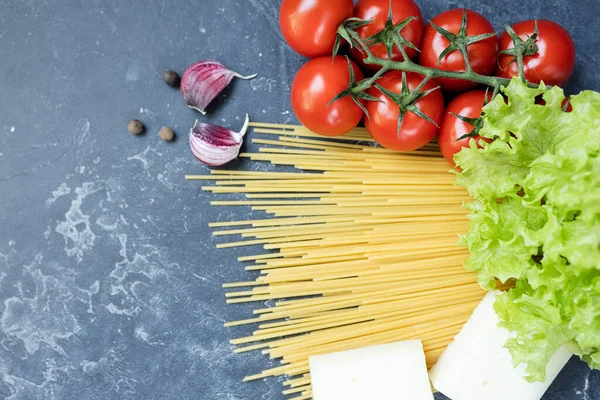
column 109, row 281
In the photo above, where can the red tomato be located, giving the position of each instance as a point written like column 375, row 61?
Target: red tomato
column 554, row 61
column 482, row 54
column 468, row 105
column 315, row 85
column 377, row 10
column 310, row 26
column 415, row 131
column 566, row 103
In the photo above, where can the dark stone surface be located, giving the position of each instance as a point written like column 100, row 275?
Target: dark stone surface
column 109, row 280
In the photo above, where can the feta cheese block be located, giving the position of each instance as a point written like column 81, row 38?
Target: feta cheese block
column 395, row 371
column 477, row 366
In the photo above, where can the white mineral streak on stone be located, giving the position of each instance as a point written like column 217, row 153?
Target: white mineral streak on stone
column 146, row 337
column 203, row 279
column 162, row 179
column 586, row 386
column 61, row 190
column 136, row 279
column 138, row 265
column 23, row 389
column 111, row 367
column 94, row 367
column 141, row 334
column 111, row 308
column 147, row 111
column 143, row 157
column 3, row 270
column 76, row 228
column 45, row 317
column 263, row 84
column 107, row 223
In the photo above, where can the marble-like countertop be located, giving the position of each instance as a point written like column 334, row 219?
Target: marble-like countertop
column 109, row 280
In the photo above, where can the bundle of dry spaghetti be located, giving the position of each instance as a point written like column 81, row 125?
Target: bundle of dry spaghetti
column 360, row 248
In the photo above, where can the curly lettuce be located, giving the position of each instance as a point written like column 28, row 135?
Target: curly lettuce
column 535, row 220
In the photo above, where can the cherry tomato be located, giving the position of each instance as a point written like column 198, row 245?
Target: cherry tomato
column 566, row 103
column 482, row 54
column 468, row 105
column 415, row 132
column 377, row 11
column 315, row 85
column 554, row 61
column 310, row 26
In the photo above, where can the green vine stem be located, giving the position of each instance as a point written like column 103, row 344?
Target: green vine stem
column 391, row 36
column 409, row 66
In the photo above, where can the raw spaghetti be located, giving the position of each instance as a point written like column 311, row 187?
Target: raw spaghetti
column 361, row 248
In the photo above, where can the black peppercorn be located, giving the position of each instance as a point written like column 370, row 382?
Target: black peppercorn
column 135, row 127
column 171, row 78
column 166, row 134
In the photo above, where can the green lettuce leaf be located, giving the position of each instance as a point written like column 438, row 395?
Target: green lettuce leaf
column 535, row 219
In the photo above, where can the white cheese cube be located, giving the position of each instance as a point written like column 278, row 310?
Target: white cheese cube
column 395, row 371
column 477, row 366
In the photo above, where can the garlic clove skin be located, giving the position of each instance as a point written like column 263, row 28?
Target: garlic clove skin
column 205, row 80
column 214, row 145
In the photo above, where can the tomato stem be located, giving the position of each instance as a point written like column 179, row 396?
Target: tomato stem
column 391, row 37
column 521, row 48
column 461, row 41
column 409, row 66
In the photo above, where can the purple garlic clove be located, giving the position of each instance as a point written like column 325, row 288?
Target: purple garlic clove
column 203, row 81
column 214, row 145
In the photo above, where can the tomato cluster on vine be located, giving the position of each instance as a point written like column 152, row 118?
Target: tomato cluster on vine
column 411, row 67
